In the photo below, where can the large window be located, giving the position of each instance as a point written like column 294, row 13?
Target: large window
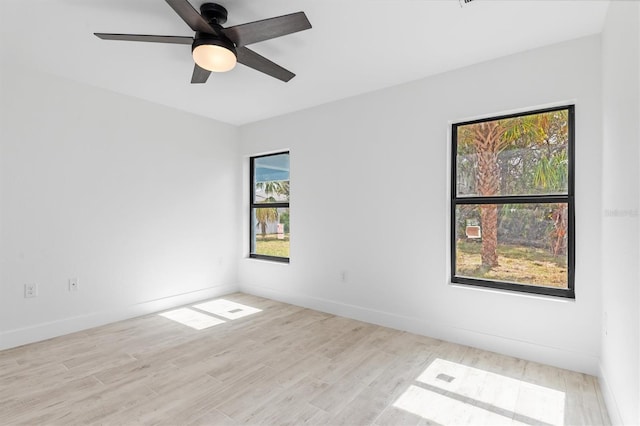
column 270, row 207
column 512, row 202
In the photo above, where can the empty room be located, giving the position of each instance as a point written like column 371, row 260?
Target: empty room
column 368, row 212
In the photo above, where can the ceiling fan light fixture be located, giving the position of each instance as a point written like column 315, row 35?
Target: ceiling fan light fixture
column 214, row 54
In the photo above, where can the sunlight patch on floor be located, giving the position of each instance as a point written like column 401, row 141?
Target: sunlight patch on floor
column 209, row 313
column 227, row 309
column 450, row 393
column 190, row 318
column 444, row 410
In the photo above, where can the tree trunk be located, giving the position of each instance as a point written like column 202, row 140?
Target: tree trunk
column 559, row 217
column 489, row 223
column 487, row 137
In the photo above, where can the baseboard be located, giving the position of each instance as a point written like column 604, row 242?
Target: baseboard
column 22, row 336
column 609, row 398
column 557, row 357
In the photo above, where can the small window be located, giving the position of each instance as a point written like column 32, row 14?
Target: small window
column 270, row 207
column 512, row 202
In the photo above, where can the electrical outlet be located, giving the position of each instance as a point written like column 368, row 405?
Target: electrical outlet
column 30, row 290
column 74, row 283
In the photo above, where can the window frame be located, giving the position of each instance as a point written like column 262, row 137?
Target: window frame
column 253, row 205
column 568, row 198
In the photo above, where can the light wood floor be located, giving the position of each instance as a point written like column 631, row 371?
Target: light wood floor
column 280, row 365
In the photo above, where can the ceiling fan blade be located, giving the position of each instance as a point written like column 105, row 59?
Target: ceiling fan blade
column 200, row 75
column 149, row 38
column 194, row 20
column 258, row 62
column 266, row 29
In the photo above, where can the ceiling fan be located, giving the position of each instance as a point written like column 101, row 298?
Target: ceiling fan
column 215, row 48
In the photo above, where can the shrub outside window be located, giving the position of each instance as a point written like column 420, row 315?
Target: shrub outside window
column 512, row 202
column 269, row 206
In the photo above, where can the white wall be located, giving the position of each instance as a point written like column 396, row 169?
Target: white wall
column 621, row 187
column 380, row 161
column 135, row 199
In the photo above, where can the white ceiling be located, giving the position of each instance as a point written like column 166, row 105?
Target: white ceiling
column 355, row 46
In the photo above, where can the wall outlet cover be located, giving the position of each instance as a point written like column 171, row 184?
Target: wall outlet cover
column 30, row 290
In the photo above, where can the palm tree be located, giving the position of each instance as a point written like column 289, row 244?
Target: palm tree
column 272, row 188
column 552, row 173
column 486, row 140
column 265, row 215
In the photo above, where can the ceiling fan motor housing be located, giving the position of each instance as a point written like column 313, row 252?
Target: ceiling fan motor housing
column 213, row 13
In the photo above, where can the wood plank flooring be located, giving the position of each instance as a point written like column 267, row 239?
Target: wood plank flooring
column 278, row 364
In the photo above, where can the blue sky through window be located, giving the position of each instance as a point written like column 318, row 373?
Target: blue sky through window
column 272, row 168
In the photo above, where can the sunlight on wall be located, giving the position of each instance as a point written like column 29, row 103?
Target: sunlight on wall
column 227, row 309
column 191, row 318
column 207, row 314
column 451, row 393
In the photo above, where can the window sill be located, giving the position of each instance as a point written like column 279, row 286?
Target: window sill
column 513, row 293
column 271, row 259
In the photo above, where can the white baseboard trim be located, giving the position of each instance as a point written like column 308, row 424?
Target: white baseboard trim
column 22, row 336
column 557, row 357
column 609, row 398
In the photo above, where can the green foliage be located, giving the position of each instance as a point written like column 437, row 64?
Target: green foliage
column 532, row 150
column 552, row 172
column 284, row 219
column 532, row 158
